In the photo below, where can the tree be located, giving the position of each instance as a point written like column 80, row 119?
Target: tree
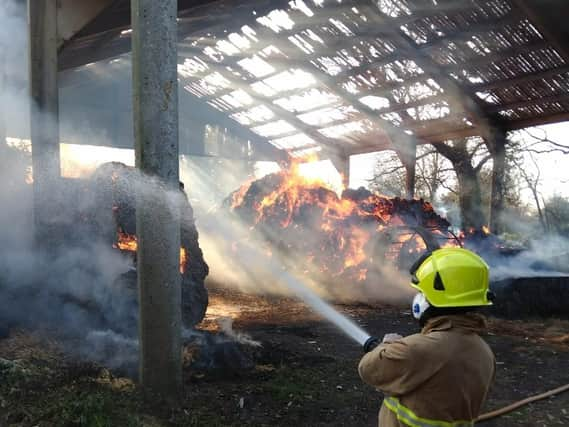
column 433, row 174
column 531, row 176
column 556, row 212
column 388, row 175
column 528, row 144
column 467, row 183
column 468, row 156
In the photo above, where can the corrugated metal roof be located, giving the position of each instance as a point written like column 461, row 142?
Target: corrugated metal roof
column 353, row 75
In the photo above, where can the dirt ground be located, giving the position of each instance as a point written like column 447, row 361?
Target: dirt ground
column 304, row 374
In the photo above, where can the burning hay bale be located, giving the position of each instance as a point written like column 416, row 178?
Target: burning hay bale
column 345, row 236
column 114, row 216
column 352, row 237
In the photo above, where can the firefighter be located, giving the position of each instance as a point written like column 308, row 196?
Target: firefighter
column 439, row 377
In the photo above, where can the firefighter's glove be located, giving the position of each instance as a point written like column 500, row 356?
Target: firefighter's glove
column 387, row 338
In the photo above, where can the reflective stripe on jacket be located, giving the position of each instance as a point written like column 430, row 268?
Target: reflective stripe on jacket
column 409, row 418
column 438, row 378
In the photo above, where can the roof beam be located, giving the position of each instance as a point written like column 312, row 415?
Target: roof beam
column 501, row 55
column 564, row 97
column 205, row 113
column 543, row 28
column 519, row 80
column 537, row 121
column 428, row 10
column 465, row 34
column 280, row 112
column 462, row 98
column 438, row 97
column 365, row 149
column 73, row 16
column 450, row 134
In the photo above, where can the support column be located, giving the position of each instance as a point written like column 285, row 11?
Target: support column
column 410, row 180
column 3, row 85
column 341, row 161
column 408, row 156
column 155, row 107
column 44, row 117
column 497, row 148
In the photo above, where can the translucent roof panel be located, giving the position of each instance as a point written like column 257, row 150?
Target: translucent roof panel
column 308, row 100
column 259, row 113
column 289, row 80
column 293, row 142
column 272, row 129
column 317, row 72
column 329, row 115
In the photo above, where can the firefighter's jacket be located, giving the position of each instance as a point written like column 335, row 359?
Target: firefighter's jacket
column 438, row 378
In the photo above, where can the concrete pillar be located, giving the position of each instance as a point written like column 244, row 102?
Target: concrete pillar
column 497, row 148
column 155, row 107
column 408, row 156
column 44, row 118
column 3, row 85
column 345, row 171
column 410, row 180
column 341, row 162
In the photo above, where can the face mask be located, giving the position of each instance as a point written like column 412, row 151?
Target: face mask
column 419, row 306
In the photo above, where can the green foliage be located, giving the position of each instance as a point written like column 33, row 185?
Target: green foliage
column 288, row 384
column 92, row 410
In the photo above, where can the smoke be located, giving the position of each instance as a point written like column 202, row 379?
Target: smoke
column 71, row 291
column 75, row 289
column 81, row 289
column 545, row 256
column 238, row 256
column 226, row 326
column 111, row 349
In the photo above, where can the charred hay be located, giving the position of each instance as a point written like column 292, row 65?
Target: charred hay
column 113, row 187
column 524, row 297
column 330, row 230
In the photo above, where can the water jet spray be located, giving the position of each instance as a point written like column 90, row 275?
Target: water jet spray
column 321, row 307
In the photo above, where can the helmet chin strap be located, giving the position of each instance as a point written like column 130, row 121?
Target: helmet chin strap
column 419, row 305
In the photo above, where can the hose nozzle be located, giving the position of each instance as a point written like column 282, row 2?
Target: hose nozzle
column 370, row 344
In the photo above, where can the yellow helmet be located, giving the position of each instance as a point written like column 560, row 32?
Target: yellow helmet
column 452, row 277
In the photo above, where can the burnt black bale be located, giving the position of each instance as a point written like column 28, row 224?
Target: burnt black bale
column 113, row 188
column 220, row 356
column 525, row 297
column 194, row 292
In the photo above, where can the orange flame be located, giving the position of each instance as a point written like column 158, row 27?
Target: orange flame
column 129, row 242
column 348, row 239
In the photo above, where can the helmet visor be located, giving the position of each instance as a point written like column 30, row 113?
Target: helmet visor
column 416, row 265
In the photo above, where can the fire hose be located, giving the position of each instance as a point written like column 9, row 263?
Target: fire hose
column 370, row 342
column 506, row 409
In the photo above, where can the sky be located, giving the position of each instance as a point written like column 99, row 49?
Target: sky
column 554, row 167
